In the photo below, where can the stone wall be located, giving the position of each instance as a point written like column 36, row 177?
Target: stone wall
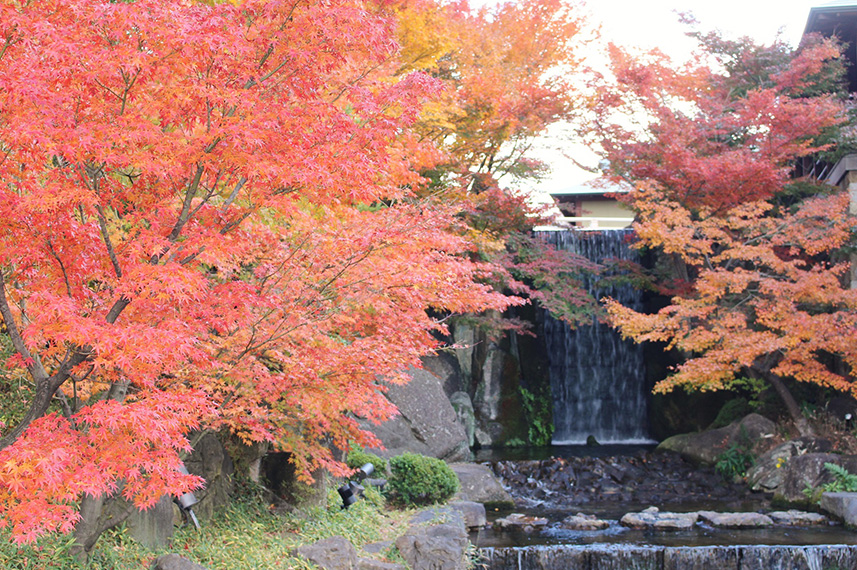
column 628, row 557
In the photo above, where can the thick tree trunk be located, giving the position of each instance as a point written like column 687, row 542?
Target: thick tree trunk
column 99, row 514
column 96, row 517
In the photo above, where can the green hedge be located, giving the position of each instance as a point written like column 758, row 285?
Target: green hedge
column 357, row 458
column 419, row 480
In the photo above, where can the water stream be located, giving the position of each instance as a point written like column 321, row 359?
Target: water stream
column 597, row 378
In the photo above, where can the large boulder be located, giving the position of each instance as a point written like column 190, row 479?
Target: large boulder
column 841, row 505
column 427, row 423
column 154, row 527
column 808, row 472
column 753, row 432
column 435, row 547
column 479, row 484
column 463, row 407
column 769, row 471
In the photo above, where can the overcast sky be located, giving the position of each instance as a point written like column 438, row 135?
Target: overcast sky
column 650, row 23
column 654, row 23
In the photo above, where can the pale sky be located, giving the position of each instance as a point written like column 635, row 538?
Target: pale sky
column 654, row 23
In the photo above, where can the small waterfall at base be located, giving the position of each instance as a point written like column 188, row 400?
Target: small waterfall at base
column 597, row 378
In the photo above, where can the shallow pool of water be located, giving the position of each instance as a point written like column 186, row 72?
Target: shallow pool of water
column 554, row 508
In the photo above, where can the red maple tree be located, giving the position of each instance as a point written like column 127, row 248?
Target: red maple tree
column 764, row 292
column 206, row 222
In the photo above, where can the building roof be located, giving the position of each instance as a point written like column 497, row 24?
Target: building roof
column 596, row 186
column 830, row 16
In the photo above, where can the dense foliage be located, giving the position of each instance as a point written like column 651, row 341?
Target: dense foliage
column 245, row 216
column 758, row 286
column 420, row 480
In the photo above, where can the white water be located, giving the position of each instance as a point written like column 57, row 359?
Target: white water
column 597, row 379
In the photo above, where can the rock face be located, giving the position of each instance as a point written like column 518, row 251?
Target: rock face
column 753, row 431
column 427, row 423
column 463, row 407
column 479, row 484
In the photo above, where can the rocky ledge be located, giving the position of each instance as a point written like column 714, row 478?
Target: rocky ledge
column 647, row 478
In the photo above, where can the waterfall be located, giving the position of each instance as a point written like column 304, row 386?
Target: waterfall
column 597, row 378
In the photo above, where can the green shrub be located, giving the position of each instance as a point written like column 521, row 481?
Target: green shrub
column 357, row 458
column 538, row 410
column 734, row 462
column 733, row 410
column 843, row 480
column 419, row 480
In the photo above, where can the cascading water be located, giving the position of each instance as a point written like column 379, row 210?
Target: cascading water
column 597, row 378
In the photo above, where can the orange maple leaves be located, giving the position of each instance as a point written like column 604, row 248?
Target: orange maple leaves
column 758, row 293
column 209, row 206
column 765, row 291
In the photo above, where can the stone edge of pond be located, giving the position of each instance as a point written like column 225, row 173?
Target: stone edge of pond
column 652, row 557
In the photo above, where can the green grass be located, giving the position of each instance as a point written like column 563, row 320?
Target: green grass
column 244, row 535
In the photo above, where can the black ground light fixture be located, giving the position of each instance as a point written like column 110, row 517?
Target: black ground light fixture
column 352, row 490
column 187, row 501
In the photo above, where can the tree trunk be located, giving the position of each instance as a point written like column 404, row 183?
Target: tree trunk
column 97, row 515
column 801, row 423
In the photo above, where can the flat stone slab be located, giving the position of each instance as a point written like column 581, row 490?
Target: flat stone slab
column 794, row 517
column 581, row 521
column 841, row 505
column 736, row 520
column 654, row 518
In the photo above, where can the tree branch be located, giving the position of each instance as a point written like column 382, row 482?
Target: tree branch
column 111, row 252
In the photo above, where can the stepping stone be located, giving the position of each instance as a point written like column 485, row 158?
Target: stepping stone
column 523, row 522
column 794, row 517
column 654, row 518
column 736, row 520
column 584, row 522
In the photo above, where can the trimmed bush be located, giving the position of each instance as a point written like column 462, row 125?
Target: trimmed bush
column 357, row 458
column 419, row 480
